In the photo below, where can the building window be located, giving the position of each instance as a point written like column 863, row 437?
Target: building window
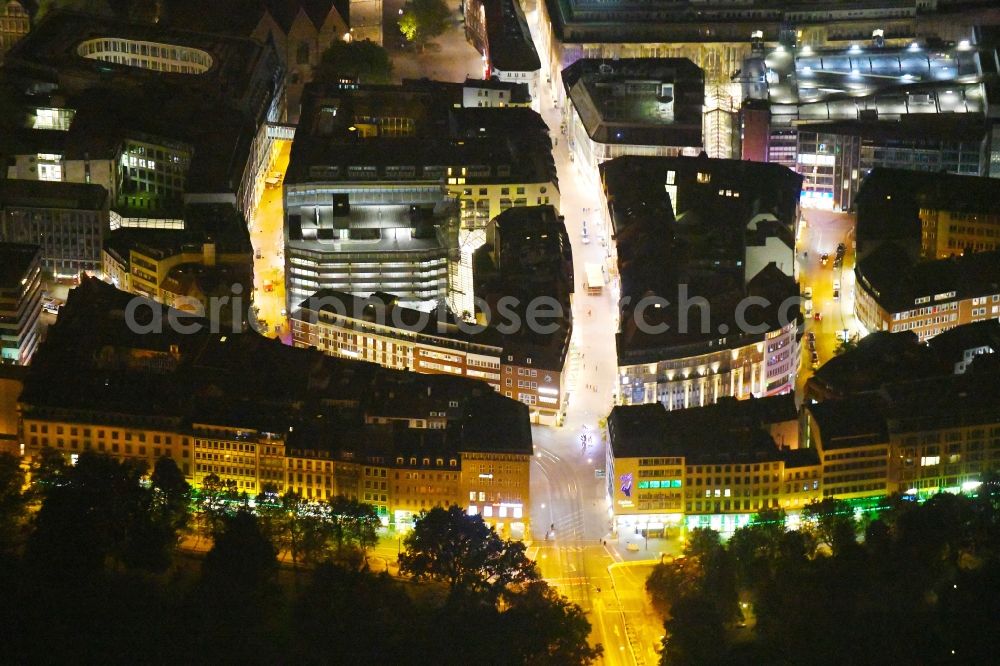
column 302, row 55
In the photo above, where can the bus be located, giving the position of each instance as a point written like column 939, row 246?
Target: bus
column 595, row 279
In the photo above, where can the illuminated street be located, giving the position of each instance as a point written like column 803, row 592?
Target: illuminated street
column 820, row 233
column 566, row 490
column 267, row 237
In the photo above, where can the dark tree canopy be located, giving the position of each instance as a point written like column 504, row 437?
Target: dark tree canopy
column 13, row 501
column 423, row 20
column 363, row 60
column 461, row 550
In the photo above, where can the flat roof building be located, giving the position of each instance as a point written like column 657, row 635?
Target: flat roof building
column 67, row 220
column 288, row 417
column 916, row 437
column 712, row 466
column 930, row 215
column 635, row 106
column 526, row 257
column 20, row 301
column 136, row 137
column 882, row 358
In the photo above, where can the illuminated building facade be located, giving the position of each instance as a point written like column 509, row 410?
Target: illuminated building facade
column 67, row 220
column 20, row 301
column 712, row 466
column 927, row 251
column 688, row 351
column 14, row 23
column 144, row 148
column 718, row 36
column 366, row 20
column 632, row 107
column 522, row 365
column 834, row 114
column 499, row 31
column 916, row 437
column 282, row 417
column 927, row 297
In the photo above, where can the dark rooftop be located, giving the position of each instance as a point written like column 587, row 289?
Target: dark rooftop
column 204, row 223
column 880, row 357
column 342, row 124
column 850, row 422
column 896, row 282
column 911, row 129
column 384, row 309
column 50, row 49
column 51, row 194
column 92, row 362
column 640, row 101
column 908, row 406
column 528, row 256
column 113, row 101
column 702, row 246
column 951, row 345
column 729, row 430
column 241, row 17
column 15, row 262
column 889, row 200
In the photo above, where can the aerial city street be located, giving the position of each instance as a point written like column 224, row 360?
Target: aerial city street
column 500, row 331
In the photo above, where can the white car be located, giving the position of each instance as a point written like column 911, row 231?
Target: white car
column 632, row 547
column 808, row 293
column 809, row 306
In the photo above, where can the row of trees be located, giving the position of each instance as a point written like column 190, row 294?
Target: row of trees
column 109, row 512
column 913, row 588
column 90, row 571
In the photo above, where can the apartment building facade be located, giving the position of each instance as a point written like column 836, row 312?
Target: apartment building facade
column 68, row 221
column 280, row 418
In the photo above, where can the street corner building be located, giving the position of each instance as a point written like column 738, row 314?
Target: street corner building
column 160, row 117
column 257, row 413
column 389, row 188
column 716, row 232
column 713, row 466
column 525, row 254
